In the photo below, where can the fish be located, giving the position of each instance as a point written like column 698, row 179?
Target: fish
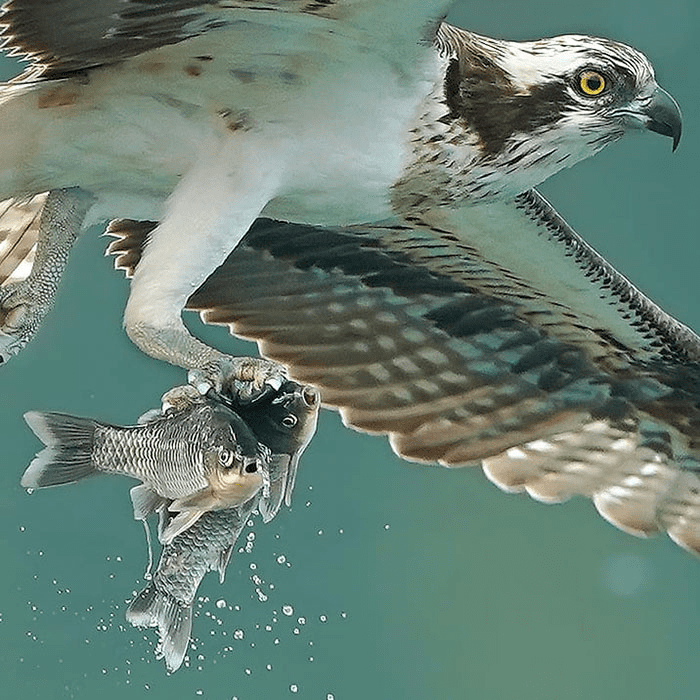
column 285, row 423
column 195, row 458
column 167, row 601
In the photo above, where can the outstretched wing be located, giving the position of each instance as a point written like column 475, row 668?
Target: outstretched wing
column 62, row 37
column 548, row 366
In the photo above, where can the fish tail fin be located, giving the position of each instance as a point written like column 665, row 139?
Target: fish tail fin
column 155, row 608
column 67, row 456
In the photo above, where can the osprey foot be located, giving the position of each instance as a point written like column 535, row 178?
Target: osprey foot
column 180, row 398
column 22, row 309
column 175, row 400
column 239, row 379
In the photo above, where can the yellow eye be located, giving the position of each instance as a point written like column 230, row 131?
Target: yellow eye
column 591, row 82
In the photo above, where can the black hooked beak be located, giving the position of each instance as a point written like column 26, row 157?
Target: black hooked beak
column 664, row 116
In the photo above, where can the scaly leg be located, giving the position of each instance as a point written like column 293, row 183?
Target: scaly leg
column 23, row 305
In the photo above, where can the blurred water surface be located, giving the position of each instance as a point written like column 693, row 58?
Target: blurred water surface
column 386, row 579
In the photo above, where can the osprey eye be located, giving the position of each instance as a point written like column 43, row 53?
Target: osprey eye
column 591, row 82
column 225, row 457
column 289, row 421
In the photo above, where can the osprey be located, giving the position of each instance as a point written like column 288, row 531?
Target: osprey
column 350, row 183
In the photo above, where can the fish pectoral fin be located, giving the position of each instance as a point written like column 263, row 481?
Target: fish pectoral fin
column 146, row 501
column 202, row 500
column 269, row 505
column 291, row 478
column 179, row 524
column 224, row 559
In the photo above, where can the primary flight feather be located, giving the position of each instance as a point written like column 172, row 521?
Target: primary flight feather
column 404, row 263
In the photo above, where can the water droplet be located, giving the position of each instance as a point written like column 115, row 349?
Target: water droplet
column 221, row 603
column 287, row 609
column 281, row 559
column 627, row 574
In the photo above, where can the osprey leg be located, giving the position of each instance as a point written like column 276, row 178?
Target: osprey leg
column 209, row 213
column 25, row 303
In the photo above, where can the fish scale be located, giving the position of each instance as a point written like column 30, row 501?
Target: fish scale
column 197, row 550
column 163, row 456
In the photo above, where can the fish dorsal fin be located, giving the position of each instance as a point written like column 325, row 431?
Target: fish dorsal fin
column 145, row 501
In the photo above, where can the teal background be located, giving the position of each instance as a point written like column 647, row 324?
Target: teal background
column 433, row 583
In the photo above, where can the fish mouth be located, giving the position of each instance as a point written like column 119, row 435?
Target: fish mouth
column 250, row 465
column 310, row 396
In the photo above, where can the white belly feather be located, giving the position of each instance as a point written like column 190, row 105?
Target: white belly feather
column 128, row 133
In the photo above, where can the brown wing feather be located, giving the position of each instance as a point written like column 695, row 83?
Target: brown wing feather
column 61, row 37
column 456, row 375
column 19, row 231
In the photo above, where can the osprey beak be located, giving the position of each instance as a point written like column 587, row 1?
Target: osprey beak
column 663, row 115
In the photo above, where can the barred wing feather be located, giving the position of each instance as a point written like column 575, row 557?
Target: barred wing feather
column 557, row 385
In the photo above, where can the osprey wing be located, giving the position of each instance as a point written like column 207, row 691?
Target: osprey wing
column 488, row 334
column 19, row 232
column 64, row 36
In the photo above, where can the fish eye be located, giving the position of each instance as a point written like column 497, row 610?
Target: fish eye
column 289, row 421
column 591, row 82
column 225, row 457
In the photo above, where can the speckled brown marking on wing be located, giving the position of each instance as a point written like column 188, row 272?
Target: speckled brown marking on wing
column 109, row 31
column 19, row 230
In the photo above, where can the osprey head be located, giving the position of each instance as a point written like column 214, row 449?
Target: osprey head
column 529, row 109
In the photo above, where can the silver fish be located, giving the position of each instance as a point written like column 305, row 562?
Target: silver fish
column 166, row 602
column 197, row 459
column 284, row 423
